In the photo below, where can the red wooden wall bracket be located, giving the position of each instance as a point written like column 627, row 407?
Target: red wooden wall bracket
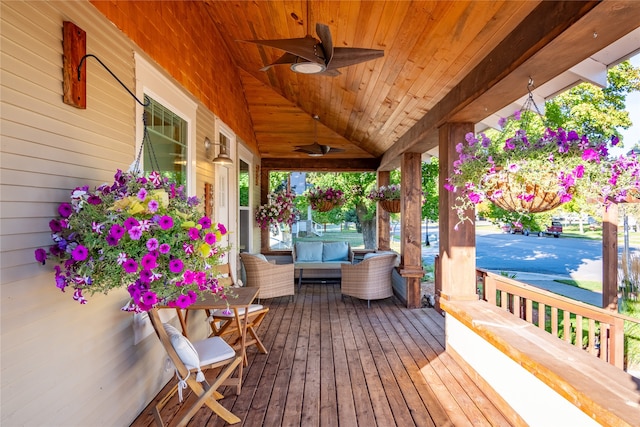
column 74, row 84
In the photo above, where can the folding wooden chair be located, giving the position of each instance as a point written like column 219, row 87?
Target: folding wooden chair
column 228, row 323
column 189, row 359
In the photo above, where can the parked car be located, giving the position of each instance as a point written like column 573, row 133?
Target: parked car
column 555, row 229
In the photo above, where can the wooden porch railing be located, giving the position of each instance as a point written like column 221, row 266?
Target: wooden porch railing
column 596, row 330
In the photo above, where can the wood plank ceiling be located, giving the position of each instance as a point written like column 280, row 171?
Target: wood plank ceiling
column 430, row 48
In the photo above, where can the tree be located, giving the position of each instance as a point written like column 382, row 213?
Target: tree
column 356, row 186
column 596, row 112
column 430, row 194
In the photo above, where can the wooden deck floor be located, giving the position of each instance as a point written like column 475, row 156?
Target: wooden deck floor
column 337, row 363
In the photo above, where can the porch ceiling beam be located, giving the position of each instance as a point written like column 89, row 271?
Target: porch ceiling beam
column 541, row 47
column 321, row 164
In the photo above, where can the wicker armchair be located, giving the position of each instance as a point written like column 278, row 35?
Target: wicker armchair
column 370, row 279
column 272, row 279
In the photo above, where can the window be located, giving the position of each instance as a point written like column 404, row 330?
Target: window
column 166, row 148
column 171, row 124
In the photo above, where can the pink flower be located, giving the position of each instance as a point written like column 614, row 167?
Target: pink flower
column 176, row 265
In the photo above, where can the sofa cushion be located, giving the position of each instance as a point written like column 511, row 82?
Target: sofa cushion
column 335, row 251
column 309, row 251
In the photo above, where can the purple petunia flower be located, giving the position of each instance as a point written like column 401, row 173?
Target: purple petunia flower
column 41, row 255
column 80, row 253
column 150, row 298
column 205, row 222
column 176, row 265
column 164, row 248
column 210, row 238
column 130, row 265
column 135, row 233
column 475, row 197
column 188, row 277
column 222, row 228
column 149, row 262
column 153, row 205
column 131, row 222
column 94, row 200
column 61, row 282
column 193, row 297
column 116, row 231
column 111, row 240
column 194, row 233
column 165, row 222
column 65, row 210
column 152, row 244
column 590, row 155
column 55, row 225
column 183, row 301
column 142, row 194
column 145, row 276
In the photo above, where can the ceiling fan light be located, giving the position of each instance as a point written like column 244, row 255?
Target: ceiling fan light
column 308, row 67
column 316, row 154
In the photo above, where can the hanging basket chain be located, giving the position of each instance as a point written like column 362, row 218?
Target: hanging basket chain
column 155, row 165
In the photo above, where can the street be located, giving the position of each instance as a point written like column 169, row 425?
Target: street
column 497, row 251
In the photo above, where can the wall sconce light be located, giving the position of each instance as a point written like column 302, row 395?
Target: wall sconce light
column 223, row 157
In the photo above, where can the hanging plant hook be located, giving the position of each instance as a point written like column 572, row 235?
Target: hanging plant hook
column 146, row 102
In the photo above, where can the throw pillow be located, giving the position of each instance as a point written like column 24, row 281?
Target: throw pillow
column 309, row 251
column 335, row 251
column 186, row 352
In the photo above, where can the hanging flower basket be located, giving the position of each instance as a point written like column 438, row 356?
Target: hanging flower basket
column 324, row 205
column 524, row 197
column 390, row 205
column 531, row 168
column 142, row 233
column 325, row 199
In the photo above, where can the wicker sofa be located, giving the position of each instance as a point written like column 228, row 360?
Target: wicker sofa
column 320, row 260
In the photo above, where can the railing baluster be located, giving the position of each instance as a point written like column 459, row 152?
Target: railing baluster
column 591, row 347
column 542, row 316
column 554, row 321
column 566, row 325
column 529, row 310
column 578, row 342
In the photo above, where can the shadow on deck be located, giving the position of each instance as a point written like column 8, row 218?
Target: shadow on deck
column 334, row 362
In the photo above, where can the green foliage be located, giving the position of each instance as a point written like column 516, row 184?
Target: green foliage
column 596, row 112
column 430, row 189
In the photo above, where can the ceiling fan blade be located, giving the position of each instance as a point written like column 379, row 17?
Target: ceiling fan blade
column 330, row 73
column 327, row 42
column 314, row 148
column 345, row 56
column 287, row 58
column 304, row 47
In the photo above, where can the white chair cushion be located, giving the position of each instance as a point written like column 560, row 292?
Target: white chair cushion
column 214, row 349
column 220, row 312
column 183, row 347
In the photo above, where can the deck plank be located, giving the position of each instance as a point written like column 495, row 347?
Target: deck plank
column 335, row 362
